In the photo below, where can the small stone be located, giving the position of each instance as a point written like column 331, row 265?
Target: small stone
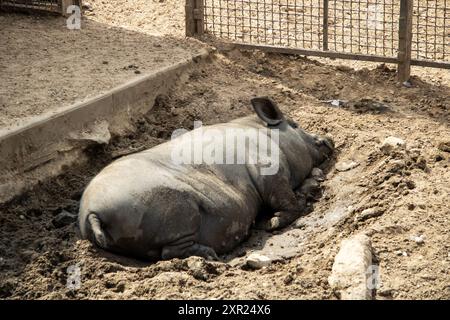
column 87, row 6
column 369, row 213
column 258, row 261
column 64, row 218
column 197, row 267
column 418, row 239
column 22, row 217
column 428, row 277
column 300, row 225
column 346, row 165
column 392, row 143
column 407, row 84
column 344, row 68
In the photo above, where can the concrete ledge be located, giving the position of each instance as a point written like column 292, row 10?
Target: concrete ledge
column 41, row 147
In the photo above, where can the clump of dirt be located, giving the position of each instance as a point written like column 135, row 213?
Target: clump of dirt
column 407, row 189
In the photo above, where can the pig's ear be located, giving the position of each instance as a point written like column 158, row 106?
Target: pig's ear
column 267, row 110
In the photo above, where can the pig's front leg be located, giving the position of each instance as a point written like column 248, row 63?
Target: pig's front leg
column 281, row 199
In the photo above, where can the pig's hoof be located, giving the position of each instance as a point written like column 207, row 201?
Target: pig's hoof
column 207, row 253
column 269, row 225
column 204, row 252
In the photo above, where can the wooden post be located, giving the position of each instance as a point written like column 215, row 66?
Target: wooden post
column 64, row 4
column 194, row 17
column 325, row 25
column 189, row 18
column 405, row 40
column 198, row 16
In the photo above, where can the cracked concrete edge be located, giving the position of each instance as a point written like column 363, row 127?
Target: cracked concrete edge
column 40, row 148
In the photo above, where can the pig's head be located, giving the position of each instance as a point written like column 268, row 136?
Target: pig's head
column 319, row 147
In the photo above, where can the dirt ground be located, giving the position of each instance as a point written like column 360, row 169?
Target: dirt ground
column 45, row 66
column 409, row 189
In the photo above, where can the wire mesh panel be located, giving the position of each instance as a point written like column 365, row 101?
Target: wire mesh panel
column 275, row 22
column 44, row 5
column 364, row 27
column 431, row 30
column 352, row 26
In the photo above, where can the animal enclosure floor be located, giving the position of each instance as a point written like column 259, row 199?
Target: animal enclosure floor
column 43, row 66
column 409, row 190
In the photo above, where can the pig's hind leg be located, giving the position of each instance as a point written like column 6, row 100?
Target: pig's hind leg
column 281, row 199
column 186, row 242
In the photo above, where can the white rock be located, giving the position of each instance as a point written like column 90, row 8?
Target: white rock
column 418, row 239
column 392, row 143
column 258, row 261
column 351, row 269
column 369, row 213
column 346, row 165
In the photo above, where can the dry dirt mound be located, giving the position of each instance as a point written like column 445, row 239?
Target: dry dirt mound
column 406, row 190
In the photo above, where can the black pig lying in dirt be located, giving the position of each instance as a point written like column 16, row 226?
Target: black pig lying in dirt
column 149, row 206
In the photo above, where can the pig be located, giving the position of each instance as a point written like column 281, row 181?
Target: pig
column 148, row 206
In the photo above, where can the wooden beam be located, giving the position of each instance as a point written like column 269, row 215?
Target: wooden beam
column 317, row 53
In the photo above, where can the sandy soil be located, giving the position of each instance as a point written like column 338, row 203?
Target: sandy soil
column 45, row 66
column 410, row 189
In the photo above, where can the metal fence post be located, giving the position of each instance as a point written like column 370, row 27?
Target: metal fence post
column 325, row 25
column 194, row 17
column 405, row 40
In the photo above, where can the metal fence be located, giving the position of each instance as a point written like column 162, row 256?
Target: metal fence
column 431, row 30
column 53, row 6
column 405, row 32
